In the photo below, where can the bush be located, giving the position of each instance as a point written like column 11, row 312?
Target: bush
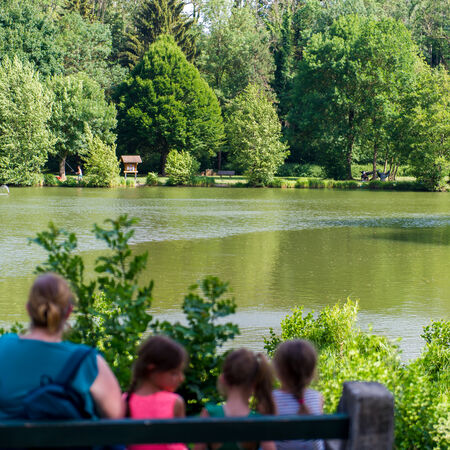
column 101, row 163
column 346, row 353
column 152, row 179
column 203, row 181
column 203, row 337
column 50, row 180
column 300, row 170
column 181, row 167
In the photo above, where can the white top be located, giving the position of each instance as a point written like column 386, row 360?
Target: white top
column 287, row 404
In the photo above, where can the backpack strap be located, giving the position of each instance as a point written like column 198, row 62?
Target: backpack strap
column 70, row 369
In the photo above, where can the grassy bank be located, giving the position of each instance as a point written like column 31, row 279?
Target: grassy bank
column 405, row 183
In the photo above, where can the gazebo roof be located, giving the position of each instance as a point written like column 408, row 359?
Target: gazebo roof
column 131, row 159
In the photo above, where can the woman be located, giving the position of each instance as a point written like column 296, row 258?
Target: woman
column 41, row 354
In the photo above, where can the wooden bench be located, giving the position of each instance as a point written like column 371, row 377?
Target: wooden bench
column 230, row 173
column 366, row 421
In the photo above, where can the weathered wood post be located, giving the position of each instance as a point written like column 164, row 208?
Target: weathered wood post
column 371, row 410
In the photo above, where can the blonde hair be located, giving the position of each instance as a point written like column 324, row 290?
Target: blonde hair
column 49, row 302
column 244, row 368
column 295, row 363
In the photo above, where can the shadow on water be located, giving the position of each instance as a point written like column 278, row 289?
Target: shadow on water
column 428, row 236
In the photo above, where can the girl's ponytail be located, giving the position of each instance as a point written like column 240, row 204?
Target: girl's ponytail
column 263, row 386
column 295, row 363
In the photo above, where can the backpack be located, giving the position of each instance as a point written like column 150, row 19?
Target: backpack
column 56, row 399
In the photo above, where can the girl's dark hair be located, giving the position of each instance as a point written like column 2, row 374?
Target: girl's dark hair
column 49, row 301
column 245, row 368
column 295, row 363
column 161, row 351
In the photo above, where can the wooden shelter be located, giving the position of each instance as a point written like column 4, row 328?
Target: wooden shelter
column 130, row 163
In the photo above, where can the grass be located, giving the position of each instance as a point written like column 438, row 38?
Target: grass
column 403, row 183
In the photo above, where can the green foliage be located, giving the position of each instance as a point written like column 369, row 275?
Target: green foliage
column 25, row 107
column 346, row 353
column 430, row 157
column 181, row 167
column 111, row 310
column 152, row 179
column 79, row 101
column 203, row 337
column 50, row 180
column 100, row 162
column 203, row 181
column 165, row 104
column 154, row 18
column 235, row 52
column 29, row 33
column 254, row 136
column 87, row 47
column 300, row 170
column 346, row 90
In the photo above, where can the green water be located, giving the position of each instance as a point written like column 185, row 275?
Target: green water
column 278, row 248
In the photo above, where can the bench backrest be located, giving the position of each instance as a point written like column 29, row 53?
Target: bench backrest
column 127, row 431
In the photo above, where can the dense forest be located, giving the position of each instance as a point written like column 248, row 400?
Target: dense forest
column 262, row 87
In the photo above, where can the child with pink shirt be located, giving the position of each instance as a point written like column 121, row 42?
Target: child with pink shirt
column 157, row 373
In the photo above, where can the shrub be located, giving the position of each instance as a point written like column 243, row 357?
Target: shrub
column 203, row 337
column 346, row 353
column 152, row 179
column 50, row 180
column 101, row 163
column 316, row 183
column 181, row 167
column 301, row 183
column 203, row 181
column 300, row 170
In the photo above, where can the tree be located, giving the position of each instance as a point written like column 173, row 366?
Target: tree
column 429, row 22
column 87, row 47
column 157, row 17
column 25, row 107
column 28, row 33
column 100, row 161
column 79, row 101
column 346, row 88
column 430, row 155
column 235, row 53
column 165, row 104
column 254, row 135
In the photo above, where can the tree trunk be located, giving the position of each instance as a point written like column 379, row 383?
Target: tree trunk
column 219, row 160
column 375, row 156
column 62, row 167
column 350, row 140
column 162, row 162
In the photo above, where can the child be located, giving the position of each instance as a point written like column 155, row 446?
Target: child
column 244, row 374
column 157, row 373
column 295, row 365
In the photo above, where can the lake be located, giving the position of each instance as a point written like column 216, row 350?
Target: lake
column 278, row 248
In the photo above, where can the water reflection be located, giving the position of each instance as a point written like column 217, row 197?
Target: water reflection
column 278, row 248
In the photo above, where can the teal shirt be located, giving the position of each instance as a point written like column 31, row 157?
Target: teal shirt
column 23, row 362
column 218, row 411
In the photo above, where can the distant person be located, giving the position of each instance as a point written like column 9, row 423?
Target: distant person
column 157, row 374
column 364, row 176
column 295, row 365
column 79, row 172
column 40, row 355
column 244, row 374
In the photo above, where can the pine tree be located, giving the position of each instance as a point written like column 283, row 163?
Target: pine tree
column 154, row 18
column 165, row 104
